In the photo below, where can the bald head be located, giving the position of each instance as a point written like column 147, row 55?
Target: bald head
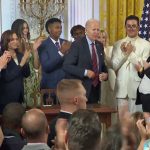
column 34, row 124
column 92, row 29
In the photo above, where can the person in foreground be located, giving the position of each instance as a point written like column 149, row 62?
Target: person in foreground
column 82, row 133
column 11, row 126
column 72, row 96
column 35, row 129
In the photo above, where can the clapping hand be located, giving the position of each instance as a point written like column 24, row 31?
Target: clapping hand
column 4, row 59
column 25, row 58
column 127, row 48
column 61, row 132
column 38, row 42
column 65, row 47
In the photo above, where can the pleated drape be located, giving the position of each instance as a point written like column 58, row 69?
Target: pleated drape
column 113, row 14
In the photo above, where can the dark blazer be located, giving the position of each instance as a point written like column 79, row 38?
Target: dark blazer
column 79, row 59
column 52, row 134
column 11, row 82
column 12, row 141
column 51, row 62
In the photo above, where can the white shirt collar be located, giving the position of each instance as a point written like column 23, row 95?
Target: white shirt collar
column 131, row 39
column 89, row 41
column 65, row 112
column 55, row 41
column 35, row 143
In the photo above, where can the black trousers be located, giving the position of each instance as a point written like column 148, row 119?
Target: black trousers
column 94, row 95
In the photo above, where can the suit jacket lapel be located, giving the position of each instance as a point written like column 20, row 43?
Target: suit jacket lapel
column 52, row 45
column 99, row 51
column 86, row 49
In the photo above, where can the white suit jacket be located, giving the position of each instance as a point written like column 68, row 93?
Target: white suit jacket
column 127, row 80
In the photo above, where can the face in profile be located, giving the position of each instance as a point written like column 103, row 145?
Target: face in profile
column 92, row 30
column 13, row 44
column 132, row 28
column 82, row 99
column 25, row 29
column 55, row 29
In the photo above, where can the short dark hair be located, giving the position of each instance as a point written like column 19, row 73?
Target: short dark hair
column 12, row 116
column 84, row 130
column 132, row 17
column 5, row 39
column 17, row 26
column 51, row 21
column 77, row 27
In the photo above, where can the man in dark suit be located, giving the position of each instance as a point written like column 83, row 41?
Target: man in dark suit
column 72, row 96
column 85, row 61
column 11, row 126
column 51, row 54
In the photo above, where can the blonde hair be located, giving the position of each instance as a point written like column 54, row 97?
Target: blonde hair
column 67, row 88
column 105, row 34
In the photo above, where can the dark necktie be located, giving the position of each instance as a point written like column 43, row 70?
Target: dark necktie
column 95, row 67
column 57, row 45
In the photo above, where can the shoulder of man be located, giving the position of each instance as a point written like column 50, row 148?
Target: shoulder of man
column 143, row 41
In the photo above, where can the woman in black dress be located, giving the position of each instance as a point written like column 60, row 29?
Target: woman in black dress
column 143, row 93
column 11, row 81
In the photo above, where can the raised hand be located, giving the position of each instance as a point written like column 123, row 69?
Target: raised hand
column 38, row 42
column 65, row 47
column 129, row 48
column 123, row 47
column 25, row 58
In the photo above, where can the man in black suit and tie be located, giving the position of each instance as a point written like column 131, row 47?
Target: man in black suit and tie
column 85, row 61
column 72, row 96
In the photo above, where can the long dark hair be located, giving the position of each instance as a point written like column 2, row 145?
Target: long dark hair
column 5, row 39
column 17, row 27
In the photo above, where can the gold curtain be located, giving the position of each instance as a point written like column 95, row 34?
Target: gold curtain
column 113, row 14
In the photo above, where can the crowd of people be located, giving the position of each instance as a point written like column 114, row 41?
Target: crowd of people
column 85, row 71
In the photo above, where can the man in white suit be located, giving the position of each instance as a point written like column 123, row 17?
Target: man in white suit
column 126, row 54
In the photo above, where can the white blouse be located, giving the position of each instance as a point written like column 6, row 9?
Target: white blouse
column 144, row 87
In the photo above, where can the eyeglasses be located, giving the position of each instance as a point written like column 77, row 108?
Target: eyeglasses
column 133, row 26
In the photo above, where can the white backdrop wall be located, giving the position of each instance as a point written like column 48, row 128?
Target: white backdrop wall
column 76, row 12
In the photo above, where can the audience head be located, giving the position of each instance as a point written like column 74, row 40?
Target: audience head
column 77, row 31
column 113, row 139
column 103, row 38
column 35, row 126
column 12, row 116
column 53, row 27
column 84, row 131
column 71, row 94
column 92, row 29
column 132, row 26
column 21, row 28
column 9, row 41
